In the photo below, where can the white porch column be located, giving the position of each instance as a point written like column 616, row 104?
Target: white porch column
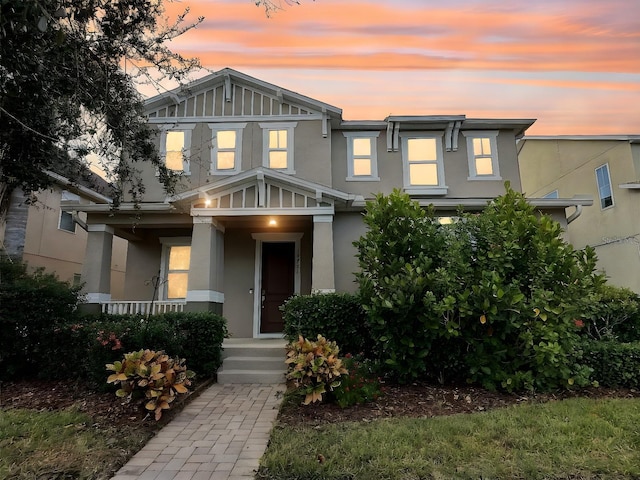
column 322, row 265
column 96, row 270
column 206, row 269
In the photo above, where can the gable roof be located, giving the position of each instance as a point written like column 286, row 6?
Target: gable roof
column 240, row 89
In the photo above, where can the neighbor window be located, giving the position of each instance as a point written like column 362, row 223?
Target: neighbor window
column 67, row 223
column 553, row 194
column 175, row 144
column 604, row 186
column 483, row 155
column 423, row 164
column 226, row 148
column 278, row 146
column 362, row 161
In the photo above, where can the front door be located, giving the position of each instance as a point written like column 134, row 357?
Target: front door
column 278, row 283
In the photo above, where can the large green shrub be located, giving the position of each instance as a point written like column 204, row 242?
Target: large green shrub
column 337, row 316
column 614, row 364
column 500, row 288
column 34, row 307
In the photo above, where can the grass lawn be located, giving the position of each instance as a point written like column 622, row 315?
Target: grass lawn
column 577, row 438
column 61, row 445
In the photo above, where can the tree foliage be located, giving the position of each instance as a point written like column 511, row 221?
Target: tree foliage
column 67, row 88
column 493, row 297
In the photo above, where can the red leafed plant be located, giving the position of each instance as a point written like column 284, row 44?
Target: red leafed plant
column 157, row 376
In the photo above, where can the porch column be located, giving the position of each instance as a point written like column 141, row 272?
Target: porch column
column 322, row 266
column 206, row 268
column 96, row 269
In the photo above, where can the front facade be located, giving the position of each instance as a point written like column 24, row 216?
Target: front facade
column 272, row 193
column 607, row 168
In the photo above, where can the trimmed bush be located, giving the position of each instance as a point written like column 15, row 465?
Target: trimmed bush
column 337, row 316
column 614, row 364
column 34, row 308
column 612, row 313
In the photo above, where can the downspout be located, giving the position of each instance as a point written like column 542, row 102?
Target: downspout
column 575, row 214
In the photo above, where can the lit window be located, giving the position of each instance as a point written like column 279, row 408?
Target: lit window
column 604, row 186
column 423, row 165
column 278, row 146
column 226, row 148
column 175, row 143
column 178, row 271
column 482, row 149
column 67, row 223
column 362, row 161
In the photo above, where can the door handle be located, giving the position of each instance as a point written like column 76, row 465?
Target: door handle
column 263, row 297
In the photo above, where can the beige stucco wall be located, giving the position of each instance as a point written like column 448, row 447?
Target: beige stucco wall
column 143, row 263
column 347, row 228
column 456, row 169
column 569, row 167
column 61, row 252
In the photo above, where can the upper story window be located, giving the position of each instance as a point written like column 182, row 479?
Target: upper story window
column 277, row 146
column 226, row 148
column 362, row 156
column 605, row 191
column 553, row 194
column 67, row 223
column 176, row 258
column 482, row 148
column 175, row 146
column 423, row 164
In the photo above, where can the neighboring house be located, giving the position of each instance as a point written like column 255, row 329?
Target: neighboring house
column 54, row 241
column 273, row 189
column 606, row 168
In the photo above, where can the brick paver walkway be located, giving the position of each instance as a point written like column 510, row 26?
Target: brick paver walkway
column 219, row 435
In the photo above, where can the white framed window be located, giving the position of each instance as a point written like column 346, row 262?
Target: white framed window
column 174, row 271
column 553, row 194
column 226, row 148
column 175, row 146
column 362, row 156
column 277, row 146
column 66, row 222
column 423, row 164
column 482, row 150
column 605, row 192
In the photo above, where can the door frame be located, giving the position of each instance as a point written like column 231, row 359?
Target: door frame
column 260, row 238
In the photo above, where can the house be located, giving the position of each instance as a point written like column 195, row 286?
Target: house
column 52, row 239
column 605, row 167
column 272, row 192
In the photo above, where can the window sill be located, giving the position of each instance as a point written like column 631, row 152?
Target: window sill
column 362, row 179
column 426, row 190
column 485, row 178
column 224, row 173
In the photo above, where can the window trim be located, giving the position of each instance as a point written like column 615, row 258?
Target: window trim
column 289, row 127
column 187, row 128
column 225, row 127
column 613, row 203
column 492, row 135
column 167, row 243
column 372, row 136
column 441, row 188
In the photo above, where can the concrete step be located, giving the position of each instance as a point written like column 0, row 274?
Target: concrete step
column 249, row 347
column 228, row 376
column 255, row 363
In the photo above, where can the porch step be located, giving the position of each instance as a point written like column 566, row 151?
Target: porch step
column 248, row 360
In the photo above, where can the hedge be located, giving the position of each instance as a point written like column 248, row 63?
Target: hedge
column 614, row 364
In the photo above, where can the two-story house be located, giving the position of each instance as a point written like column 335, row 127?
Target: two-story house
column 607, row 167
column 273, row 188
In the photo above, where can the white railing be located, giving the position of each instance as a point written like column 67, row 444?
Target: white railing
column 142, row 307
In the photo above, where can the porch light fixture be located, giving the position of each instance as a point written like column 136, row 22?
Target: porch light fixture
column 273, row 222
column 207, row 203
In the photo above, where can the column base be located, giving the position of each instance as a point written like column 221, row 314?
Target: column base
column 204, row 307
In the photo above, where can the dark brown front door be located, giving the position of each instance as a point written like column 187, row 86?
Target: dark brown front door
column 278, row 274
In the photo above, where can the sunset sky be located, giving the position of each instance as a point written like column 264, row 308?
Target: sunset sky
column 572, row 64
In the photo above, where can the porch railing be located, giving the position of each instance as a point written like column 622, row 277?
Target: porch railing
column 142, row 307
